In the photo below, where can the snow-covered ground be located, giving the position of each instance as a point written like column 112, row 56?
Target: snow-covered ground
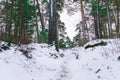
column 97, row 63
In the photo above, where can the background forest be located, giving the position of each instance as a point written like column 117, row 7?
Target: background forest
column 35, row 45
column 26, row 21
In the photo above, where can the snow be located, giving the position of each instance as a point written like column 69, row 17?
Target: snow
column 97, row 63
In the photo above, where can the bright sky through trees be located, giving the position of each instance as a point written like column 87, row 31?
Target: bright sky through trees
column 70, row 22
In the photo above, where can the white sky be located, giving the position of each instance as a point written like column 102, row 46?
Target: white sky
column 70, row 22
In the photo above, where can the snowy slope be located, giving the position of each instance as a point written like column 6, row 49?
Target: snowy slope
column 97, row 63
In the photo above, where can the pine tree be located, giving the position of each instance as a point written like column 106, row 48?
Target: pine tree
column 19, row 19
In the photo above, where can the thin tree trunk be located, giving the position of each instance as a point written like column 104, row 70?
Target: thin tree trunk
column 16, row 30
column 109, row 20
column 98, row 19
column 20, row 23
column 100, row 27
column 36, row 20
column 118, row 24
column 7, row 23
column 9, row 30
column 98, row 22
column 95, row 26
column 83, row 21
column 37, row 31
column 40, row 16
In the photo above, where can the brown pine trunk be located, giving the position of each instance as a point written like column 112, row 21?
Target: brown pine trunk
column 20, row 23
column 16, row 30
column 83, row 22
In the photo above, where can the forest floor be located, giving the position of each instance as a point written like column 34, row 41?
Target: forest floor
column 41, row 62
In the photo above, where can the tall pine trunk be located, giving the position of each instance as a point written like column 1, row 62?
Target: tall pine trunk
column 20, row 23
column 53, row 33
column 83, row 22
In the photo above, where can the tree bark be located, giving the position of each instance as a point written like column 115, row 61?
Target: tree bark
column 10, row 26
column 20, row 23
column 118, row 24
column 95, row 26
column 98, row 22
column 109, row 20
column 84, row 26
column 53, row 33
